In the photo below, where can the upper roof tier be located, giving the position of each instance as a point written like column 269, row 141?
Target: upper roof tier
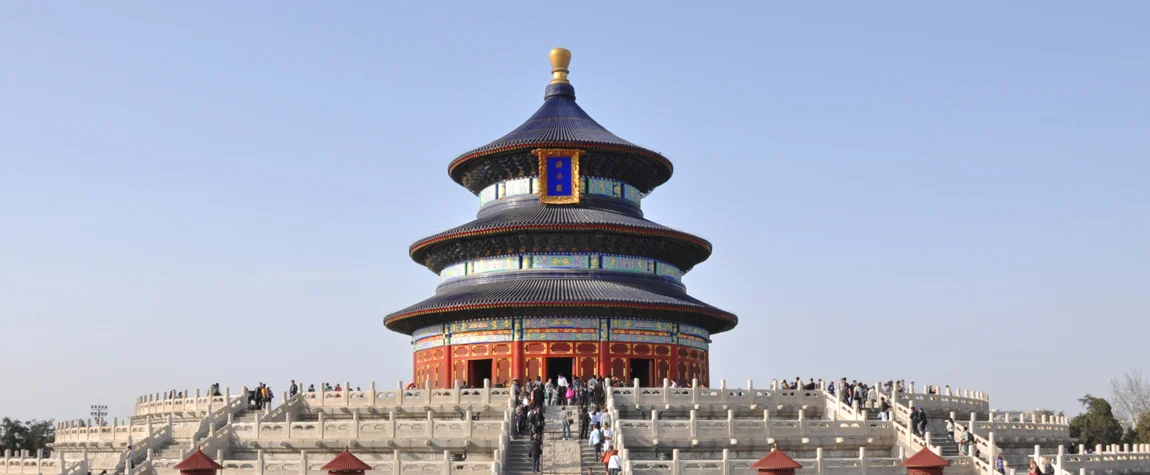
column 560, row 123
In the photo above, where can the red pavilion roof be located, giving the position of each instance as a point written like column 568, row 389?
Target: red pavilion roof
column 346, row 462
column 776, row 460
column 925, row 458
column 198, row 461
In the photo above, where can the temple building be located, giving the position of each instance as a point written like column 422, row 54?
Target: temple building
column 560, row 273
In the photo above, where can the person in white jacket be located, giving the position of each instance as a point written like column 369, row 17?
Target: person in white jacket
column 614, row 464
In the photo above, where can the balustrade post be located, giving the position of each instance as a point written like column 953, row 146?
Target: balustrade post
column 654, row 424
column 726, row 470
column 1098, row 449
column 391, row 419
column 427, row 393
column 321, row 425
column 487, row 390
column 774, row 385
column 766, row 423
column 471, row 423
column 730, row 423
column 694, row 426
column 750, row 391
column 819, row 460
column 355, row 422
column 446, row 462
column 429, row 431
column 694, row 391
column 395, row 463
column 802, row 423
column 723, row 390
column 666, row 391
column 993, row 448
column 675, row 468
column 862, row 461
column 972, row 423
column 926, row 437
column 303, row 462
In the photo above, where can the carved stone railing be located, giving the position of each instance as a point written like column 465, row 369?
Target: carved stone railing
column 310, row 464
column 861, row 465
column 400, row 397
column 161, row 404
column 24, row 463
column 370, row 429
column 695, row 430
column 666, row 395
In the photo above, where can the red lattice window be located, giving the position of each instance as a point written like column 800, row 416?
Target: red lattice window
column 438, row 354
column 619, row 348
column 618, row 368
column 587, row 348
column 641, row 349
column 663, row 371
column 533, row 367
column 560, row 347
column 460, row 351
column 682, row 353
column 479, row 350
column 502, row 349
column 695, row 354
column 587, row 368
column 534, row 347
column 663, row 350
column 502, row 370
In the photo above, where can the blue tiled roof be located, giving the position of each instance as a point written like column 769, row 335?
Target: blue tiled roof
column 559, row 120
column 525, row 291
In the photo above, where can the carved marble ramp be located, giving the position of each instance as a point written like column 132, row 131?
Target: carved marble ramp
column 561, row 457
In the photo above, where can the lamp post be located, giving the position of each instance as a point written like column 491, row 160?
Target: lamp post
column 98, row 412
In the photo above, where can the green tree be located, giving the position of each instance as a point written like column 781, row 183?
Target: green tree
column 1097, row 425
column 33, row 435
column 1142, row 429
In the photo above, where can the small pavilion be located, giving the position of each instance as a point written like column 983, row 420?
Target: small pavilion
column 198, row 464
column 925, row 462
column 777, row 463
column 346, row 464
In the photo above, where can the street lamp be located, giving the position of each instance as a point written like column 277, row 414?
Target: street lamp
column 98, row 412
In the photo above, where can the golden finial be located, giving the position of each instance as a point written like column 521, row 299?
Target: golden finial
column 560, row 59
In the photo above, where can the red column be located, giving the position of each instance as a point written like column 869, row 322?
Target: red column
column 450, row 380
column 604, row 362
column 518, row 368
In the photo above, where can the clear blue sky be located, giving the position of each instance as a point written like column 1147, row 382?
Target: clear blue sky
column 196, row 193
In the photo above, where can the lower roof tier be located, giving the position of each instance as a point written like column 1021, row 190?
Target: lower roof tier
column 638, row 297
column 541, row 228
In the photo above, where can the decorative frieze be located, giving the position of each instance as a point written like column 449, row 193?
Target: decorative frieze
column 605, row 187
column 552, row 261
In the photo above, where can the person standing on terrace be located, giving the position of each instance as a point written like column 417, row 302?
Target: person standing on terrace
column 561, row 390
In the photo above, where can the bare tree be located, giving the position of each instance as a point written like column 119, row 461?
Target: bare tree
column 1131, row 396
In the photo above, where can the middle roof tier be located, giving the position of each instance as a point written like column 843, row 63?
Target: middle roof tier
column 533, row 227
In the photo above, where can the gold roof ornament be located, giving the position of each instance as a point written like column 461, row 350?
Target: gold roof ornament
column 560, row 59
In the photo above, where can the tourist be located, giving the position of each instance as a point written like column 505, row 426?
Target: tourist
column 293, row 389
column 884, row 409
column 831, row 388
column 604, row 418
column 268, row 396
column 311, row 387
column 536, row 451
column 550, row 391
column 1034, row 470
column 596, row 440
column 562, row 389
column 674, row 383
column 922, row 422
column 1047, row 468
column 1000, row 464
column 614, row 464
column 914, row 419
column 567, row 421
column 606, row 437
column 584, row 423
column 537, row 396
column 950, row 430
column 967, row 440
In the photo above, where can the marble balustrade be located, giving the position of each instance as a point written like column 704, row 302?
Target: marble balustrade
column 861, row 465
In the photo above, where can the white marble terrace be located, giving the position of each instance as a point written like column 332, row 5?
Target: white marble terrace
column 714, row 431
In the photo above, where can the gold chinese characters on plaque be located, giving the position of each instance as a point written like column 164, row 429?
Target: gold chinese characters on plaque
column 558, row 175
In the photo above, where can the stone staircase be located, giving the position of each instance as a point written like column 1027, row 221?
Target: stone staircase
column 518, row 456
